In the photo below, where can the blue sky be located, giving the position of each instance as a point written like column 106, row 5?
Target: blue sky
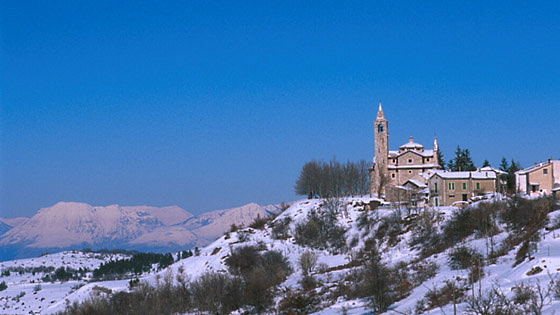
column 211, row 105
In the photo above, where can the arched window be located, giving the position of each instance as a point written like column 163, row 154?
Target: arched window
column 380, row 128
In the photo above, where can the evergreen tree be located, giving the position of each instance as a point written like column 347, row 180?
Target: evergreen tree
column 485, row 163
column 462, row 161
column 440, row 159
column 513, row 167
column 504, row 165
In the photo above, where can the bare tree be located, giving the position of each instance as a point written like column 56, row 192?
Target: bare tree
column 307, row 262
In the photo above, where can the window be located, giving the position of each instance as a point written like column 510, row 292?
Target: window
column 545, row 171
column 452, row 196
column 393, row 175
column 477, row 186
column 465, row 197
column 428, row 160
column 409, row 161
column 436, row 201
column 409, row 172
column 380, row 128
column 451, row 186
column 464, row 186
column 435, row 188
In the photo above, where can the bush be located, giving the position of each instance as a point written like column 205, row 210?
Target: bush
column 390, row 227
column 216, row 293
column 450, row 292
column 260, row 273
column 307, row 262
column 459, row 226
column 259, row 222
column 527, row 214
column 424, row 270
column 463, row 257
column 374, row 280
column 3, row 286
column 280, row 228
column 298, row 302
column 424, row 229
column 320, row 231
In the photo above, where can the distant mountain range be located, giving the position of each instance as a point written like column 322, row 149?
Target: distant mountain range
column 72, row 225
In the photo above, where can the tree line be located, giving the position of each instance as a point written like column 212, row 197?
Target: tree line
column 320, row 179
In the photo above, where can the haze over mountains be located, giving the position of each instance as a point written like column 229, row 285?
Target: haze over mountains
column 72, row 225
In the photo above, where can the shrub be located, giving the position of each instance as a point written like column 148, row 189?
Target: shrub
column 216, row 293
column 259, row 222
column 3, row 286
column 527, row 214
column 307, row 262
column 424, row 229
column 308, row 283
column 459, row 226
column 280, row 228
column 463, row 257
column 320, row 231
column 424, row 270
column 298, row 302
column 450, row 292
column 260, row 272
column 522, row 253
column 390, row 227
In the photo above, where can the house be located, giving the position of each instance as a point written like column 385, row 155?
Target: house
column 448, row 188
column 539, row 179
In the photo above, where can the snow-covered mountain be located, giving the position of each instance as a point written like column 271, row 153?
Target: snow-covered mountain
column 13, row 222
column 79, row 225
column 4, row 228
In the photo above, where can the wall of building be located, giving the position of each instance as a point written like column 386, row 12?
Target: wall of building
column 452, row 190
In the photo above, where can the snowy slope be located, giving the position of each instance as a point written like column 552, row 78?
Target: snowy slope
column 332, row 268
column 28, row 294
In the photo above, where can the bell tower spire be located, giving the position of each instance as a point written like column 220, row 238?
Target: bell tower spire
column 379, row 172
column 380, row 114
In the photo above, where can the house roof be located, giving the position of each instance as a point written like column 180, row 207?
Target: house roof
column 535, row 167
column 464, row 175
column 416, row 182
column 491, row 169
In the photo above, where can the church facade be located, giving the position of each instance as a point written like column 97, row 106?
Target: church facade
column 406, row 166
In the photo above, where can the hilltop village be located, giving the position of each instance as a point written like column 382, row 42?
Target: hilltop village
column 413, row 174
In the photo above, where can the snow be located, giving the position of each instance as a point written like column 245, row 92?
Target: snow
column 53, row 297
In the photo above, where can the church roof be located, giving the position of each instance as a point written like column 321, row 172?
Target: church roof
column 425, row 153
column 410, row 166
column 411, row 145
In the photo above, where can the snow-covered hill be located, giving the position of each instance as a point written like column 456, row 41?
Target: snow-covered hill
column 424, row 273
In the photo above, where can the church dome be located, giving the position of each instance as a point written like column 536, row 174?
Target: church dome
column 411, row 145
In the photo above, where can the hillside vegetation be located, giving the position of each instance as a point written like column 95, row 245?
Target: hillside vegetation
column 330, row 256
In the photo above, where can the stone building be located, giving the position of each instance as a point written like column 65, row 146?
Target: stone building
column 539, row 179
column 447, row 188
column 395, row 168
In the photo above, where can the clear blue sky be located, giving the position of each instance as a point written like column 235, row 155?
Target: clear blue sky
column 211, row 105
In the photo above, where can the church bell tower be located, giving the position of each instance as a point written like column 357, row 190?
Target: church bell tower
column 379, row 176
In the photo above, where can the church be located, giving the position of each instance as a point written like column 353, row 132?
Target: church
column 406, row 166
